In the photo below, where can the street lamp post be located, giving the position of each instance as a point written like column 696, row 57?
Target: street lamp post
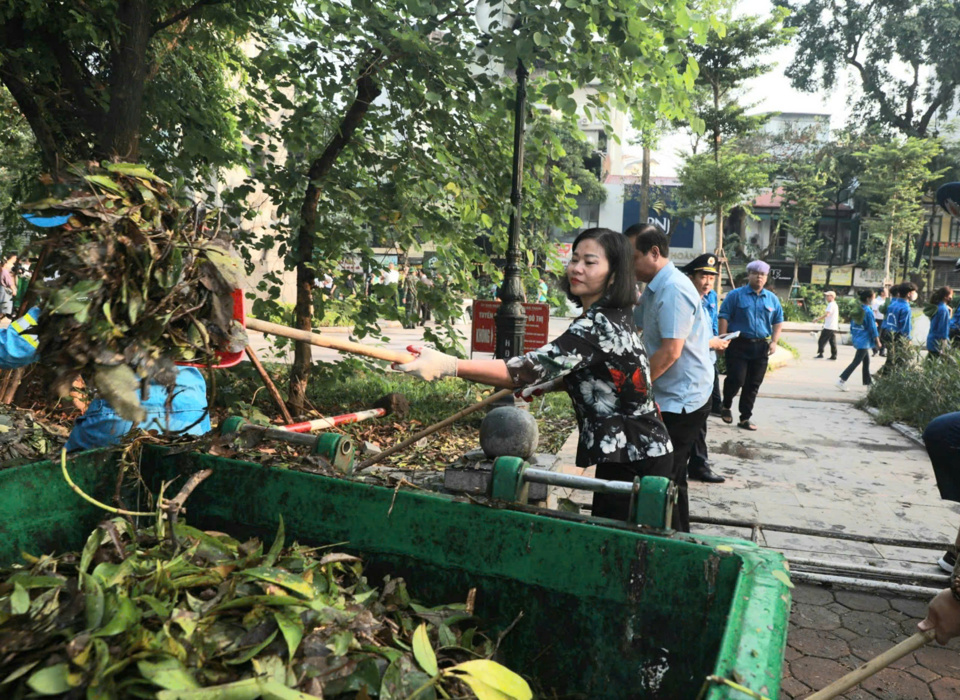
column 511, row 321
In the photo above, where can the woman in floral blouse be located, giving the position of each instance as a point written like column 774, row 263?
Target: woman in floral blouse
column 601, row 363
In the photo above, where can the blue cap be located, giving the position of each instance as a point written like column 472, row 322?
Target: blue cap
column 46, row 221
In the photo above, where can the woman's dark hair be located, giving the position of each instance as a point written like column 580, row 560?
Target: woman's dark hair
column 906, row 288
column 941, row 294
column 866, row 295
column 621, row 285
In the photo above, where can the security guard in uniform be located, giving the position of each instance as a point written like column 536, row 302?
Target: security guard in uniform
column 757, row 314
column 702, row 271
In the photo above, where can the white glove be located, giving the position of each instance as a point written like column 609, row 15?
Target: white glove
column 429, row 364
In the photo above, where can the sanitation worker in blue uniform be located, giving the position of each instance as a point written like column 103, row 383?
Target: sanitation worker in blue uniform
column 100, row 426
column 756, row 314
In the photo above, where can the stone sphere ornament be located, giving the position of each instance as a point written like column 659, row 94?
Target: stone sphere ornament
column 509, row 431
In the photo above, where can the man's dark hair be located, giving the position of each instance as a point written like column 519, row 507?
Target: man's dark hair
column 896, row 291
column 940, row 294
column 646, row 236
column 866, row 295
column 621, row 284
column 906, row 288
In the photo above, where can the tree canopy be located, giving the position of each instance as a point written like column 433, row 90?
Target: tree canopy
column 903, row 53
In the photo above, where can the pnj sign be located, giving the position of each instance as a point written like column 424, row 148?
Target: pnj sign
column 679, row 230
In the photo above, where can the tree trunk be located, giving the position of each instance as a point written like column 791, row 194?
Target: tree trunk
column 703, row 233
column 886, row 261
column 121, row 134
column 721, row 252
column 367, row 91
column 645, row 186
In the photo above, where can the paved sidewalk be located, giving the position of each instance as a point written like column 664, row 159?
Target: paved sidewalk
column 819, row 462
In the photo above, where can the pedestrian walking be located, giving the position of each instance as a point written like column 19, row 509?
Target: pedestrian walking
column 939, row 312
column 831, row 326
column 863, row 331
column 878, row 299
column 8, row 286
column 601, row 363
column 676, row 334
column 702, row 271
column 756, row 314
column 897, row 327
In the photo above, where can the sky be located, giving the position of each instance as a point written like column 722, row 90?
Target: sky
column 770, row 92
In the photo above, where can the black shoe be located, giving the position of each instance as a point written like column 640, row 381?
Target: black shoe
column 726, row 415
column 818, row 357
column 703, row 473
column 833, row 358
column 948, row 561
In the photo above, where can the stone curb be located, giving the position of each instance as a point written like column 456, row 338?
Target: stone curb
column 905, row 430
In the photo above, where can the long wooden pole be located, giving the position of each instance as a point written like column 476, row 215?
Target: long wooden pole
column 271, row 387
column 877, row 663
column 493, row 398
column 255, row 324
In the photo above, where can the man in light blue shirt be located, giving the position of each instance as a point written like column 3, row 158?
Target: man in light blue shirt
column 676, row 333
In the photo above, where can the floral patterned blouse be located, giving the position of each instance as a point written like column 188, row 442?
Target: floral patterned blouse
column 604, row 368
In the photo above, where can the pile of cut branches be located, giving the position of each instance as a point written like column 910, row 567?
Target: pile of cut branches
column 132, row 283
column 175, row 613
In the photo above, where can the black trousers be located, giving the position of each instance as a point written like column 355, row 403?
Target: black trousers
column 896, row 352
column 617, row 506
column 684, row 429
column 942, row 439
column 827, row 336
column 862, row 355
column 746, row 367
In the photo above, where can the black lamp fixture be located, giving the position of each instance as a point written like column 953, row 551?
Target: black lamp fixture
column 511, row 321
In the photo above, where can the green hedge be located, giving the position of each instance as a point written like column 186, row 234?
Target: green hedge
column 920, row 391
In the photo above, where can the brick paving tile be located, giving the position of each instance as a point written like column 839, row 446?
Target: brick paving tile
column 868, row 647
column 946, row 689
column 891, row 684
column 815, row 617
column 923, row 673
column 816, row 643
column 793, row 688
column 812, row 595
column 845, row 634
column 817, row 673
column 789, row 654
column 837, row 608
column 862, row 601
column 912, row 608
column 898, row 616
column 940, row 660
column 871, row 624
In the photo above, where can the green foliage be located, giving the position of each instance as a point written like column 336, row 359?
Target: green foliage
column 19, row 169
column 708, row 186
column 920, row 391
column 903, row 53
column 193, row 614
column 143, row 280
column 895, row 175
column 804, row 198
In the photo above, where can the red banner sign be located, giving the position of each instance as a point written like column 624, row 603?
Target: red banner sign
column 483, row 337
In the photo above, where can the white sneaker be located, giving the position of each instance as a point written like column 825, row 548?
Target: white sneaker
column 842, row 385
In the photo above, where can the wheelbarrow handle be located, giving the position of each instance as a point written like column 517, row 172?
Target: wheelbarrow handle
column 334, row 421
column 255, row 324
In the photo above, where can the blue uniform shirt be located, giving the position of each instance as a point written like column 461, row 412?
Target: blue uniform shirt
column 939, row 328
column 864, row 335
column 670, row 308
column 955, row 321
column 899, row 318
column 100, row 426
column 753, row 314
column 710, row 305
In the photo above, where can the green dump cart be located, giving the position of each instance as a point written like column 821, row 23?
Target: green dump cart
column 608, row 610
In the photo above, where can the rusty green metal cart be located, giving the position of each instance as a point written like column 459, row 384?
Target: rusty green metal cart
column 596, row 609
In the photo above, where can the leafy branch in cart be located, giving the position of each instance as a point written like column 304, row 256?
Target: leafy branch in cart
column 176, row 613
column 134, row 281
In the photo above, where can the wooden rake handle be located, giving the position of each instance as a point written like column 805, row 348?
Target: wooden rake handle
column 255, row 324
column 877, row 663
